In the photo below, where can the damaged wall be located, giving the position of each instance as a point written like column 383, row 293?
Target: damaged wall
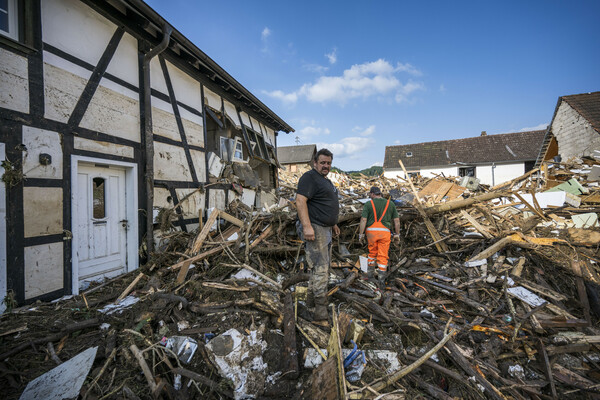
column 73, row 133
column 575, row 135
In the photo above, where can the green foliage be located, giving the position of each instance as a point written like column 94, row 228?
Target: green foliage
column 371, row 171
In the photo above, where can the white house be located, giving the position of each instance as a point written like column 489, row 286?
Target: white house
column 107, row 112
column 492, row 159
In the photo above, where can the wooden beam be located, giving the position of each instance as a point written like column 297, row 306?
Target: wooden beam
column 205, row 231
column 440, row 245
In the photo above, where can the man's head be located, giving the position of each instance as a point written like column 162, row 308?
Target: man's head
column 322, row 161
column 374, row 192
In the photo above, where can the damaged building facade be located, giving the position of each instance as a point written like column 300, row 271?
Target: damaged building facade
column 107, row 113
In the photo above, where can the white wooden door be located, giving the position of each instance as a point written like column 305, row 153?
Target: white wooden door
column 101, row 222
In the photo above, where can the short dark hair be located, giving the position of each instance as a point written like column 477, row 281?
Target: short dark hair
column 323, row 152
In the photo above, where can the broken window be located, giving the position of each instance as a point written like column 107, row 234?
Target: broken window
column 99, row 198
column 466, row 171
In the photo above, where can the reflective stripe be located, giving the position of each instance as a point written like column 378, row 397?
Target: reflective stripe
column 378, row 229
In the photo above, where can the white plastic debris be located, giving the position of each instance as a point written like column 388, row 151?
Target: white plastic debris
column 62, row 382
column 516, row 371
column 120, row 306
column 239, row 358
column 526, row 295
column 183, row 346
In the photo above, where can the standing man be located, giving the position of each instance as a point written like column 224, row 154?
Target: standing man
column 378, row 215
column 318, row 209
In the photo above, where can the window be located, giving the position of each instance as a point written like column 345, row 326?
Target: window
column 238, row 154
column 8, row 19
column 224, row 153
column 409, row 154
column 466, row 171
column 99, row 198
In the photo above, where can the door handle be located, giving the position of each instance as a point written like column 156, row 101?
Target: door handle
column 124, row 223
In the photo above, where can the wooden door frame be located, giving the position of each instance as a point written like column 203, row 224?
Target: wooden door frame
column 131, row 195
column 3, row 244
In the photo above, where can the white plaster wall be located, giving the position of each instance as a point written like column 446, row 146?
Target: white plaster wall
column 192, row 204
column 43, row 211
column 14, row 84
column 270, row 136
column 232, row 114
column 393, row 174
column 432, row 172
column 62, row 90
column 186, row 88
column 257, row 126
column 113, row 113
column 245, row 119
column 170, row 163
column 198, row 158
column 501, row 173
column 103, row 147
column 157, row 78
column 164, row 123
column 212, row 99
column 76, row 29
column 160, row 198
column 43, row 269
column 574, row 134
column 216, row 198
column 40, row 141
column 193, row 127
column 124, row 63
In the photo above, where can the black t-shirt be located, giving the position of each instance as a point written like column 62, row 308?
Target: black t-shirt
column 323, row 203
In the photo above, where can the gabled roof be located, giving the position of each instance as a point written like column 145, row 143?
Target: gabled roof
column 587, row 105
column 506, row 147
column 296, row 154
column 139, row 18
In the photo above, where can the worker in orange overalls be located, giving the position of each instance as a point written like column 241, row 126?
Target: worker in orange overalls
column 376, row 217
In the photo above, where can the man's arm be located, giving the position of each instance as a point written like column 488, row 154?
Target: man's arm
column 397, row 224
column 363, row 226
column 309, row 232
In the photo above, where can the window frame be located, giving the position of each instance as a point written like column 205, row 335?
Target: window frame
column 12, row 12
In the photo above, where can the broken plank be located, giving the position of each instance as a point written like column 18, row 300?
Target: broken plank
column 205, row 231
column 480, row 228
column 265, row 233
column 291, row 369
column 230, row 218
column 200, row 256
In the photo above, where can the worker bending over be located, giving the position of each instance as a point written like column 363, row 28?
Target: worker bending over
column 377, row 216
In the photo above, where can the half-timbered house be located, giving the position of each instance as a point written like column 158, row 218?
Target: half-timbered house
column 107, row 113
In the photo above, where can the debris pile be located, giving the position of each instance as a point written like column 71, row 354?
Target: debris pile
column 492, row 293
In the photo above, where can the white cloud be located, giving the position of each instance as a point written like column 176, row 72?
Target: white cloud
column 403, row 93
column 377, row 164
column 332, row 57
column 361, row 81
column 408, row 69
column 442, row 88
column 539, row 127
column 364, row 132
column 397, row 142
column 311, row 131
column 287, row 98
column 319, row 69
column 350, row 147
column 265, row 34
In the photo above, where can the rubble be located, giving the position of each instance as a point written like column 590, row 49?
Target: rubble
column 494, row 292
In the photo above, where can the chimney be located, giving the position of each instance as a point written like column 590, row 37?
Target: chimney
column 483, row 133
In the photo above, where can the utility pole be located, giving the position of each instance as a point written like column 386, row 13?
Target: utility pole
column 297, row 140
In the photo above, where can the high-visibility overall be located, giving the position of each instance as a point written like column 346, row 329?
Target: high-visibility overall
column 379, row 238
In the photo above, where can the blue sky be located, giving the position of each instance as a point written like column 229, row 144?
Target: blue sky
column 356, row 76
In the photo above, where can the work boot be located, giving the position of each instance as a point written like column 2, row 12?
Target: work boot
column 321, row 313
